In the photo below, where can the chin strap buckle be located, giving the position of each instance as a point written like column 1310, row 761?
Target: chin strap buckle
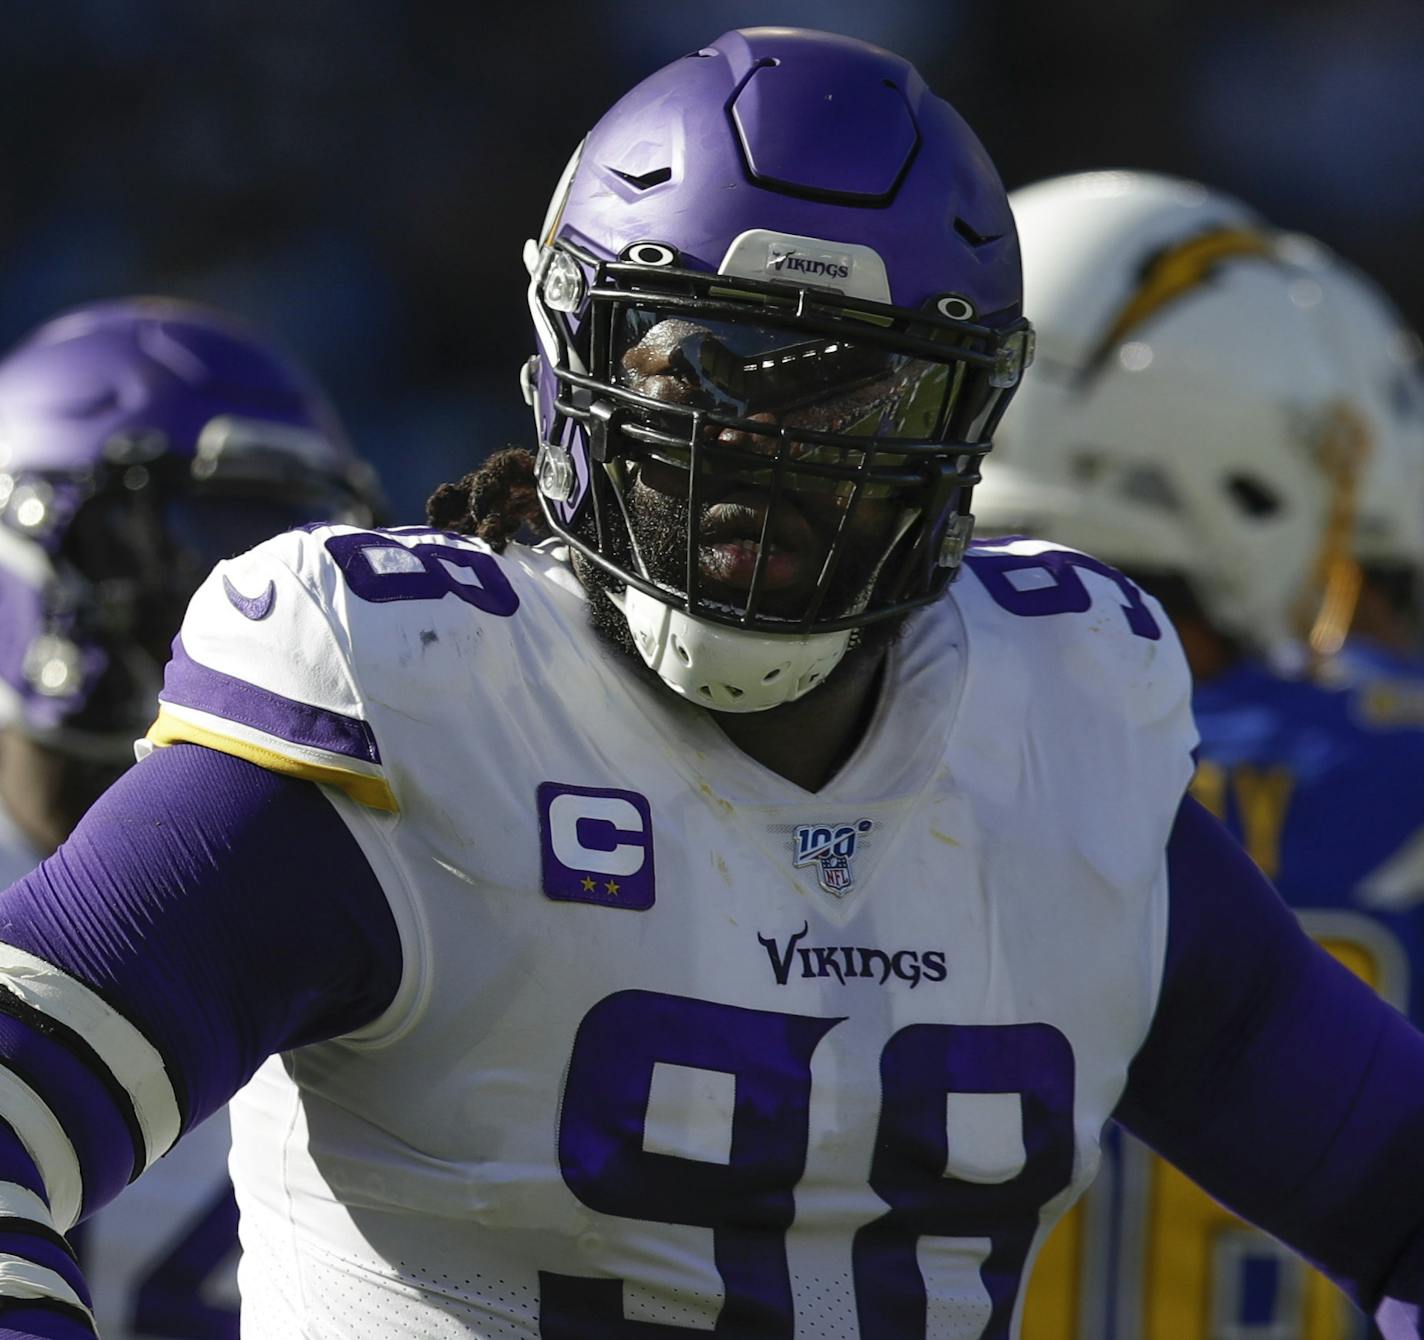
column 956, row 540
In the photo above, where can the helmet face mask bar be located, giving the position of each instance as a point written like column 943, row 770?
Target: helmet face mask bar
column 717, row 386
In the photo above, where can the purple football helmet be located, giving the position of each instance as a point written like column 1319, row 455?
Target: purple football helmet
column 779, row 269
column 140, row 442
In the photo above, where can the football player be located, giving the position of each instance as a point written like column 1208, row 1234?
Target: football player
column 140, row 442
column 1226, row 412
column 708, row 919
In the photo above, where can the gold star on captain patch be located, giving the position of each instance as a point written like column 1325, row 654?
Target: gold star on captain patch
column 587, row 884
column 612, row 887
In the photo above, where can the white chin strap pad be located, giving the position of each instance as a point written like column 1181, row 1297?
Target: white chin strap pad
column 727, row 669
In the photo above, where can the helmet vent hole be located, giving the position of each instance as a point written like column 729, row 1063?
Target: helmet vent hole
column 1252, row 496
column 705, row 691
column 644, row 180
column 971, row 235
column 682, row 653
column 733, row 690
column 772, row 674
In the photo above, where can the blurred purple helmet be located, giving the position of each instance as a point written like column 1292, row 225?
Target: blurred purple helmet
column 825, row 251
column 140, row 442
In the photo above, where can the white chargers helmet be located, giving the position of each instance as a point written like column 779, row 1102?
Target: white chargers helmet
column 1186, row 414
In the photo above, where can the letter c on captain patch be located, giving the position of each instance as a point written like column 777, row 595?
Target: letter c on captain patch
column 596, row 845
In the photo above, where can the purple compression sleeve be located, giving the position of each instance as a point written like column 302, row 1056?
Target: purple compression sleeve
column 1280, row 1082
column 226, row 913
column 36, row 1321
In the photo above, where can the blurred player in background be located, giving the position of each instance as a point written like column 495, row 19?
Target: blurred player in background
column 1234, row 417
column 141, row 441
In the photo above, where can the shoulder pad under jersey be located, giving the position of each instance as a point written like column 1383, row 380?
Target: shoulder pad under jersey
column 1090, row 678
column 285, row 649
column 1083, row 626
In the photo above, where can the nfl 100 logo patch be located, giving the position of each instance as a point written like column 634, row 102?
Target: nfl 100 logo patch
column 831, row 848
column 596, row 845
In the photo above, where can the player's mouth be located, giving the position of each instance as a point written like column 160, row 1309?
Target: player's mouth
column 731, row 542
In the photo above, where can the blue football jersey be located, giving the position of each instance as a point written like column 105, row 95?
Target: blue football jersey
column 1321, row 782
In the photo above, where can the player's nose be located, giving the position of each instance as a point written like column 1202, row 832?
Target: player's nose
column 763, row 443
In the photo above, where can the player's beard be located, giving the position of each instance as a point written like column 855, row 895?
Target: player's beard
column 661, row 523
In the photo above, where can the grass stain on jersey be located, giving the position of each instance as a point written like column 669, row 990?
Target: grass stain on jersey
column 725, row 806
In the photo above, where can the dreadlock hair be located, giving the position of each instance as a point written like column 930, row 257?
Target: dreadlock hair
column 492, row 503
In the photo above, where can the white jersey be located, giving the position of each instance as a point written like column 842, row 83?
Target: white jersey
column 677, row 1041
column 160, row 1260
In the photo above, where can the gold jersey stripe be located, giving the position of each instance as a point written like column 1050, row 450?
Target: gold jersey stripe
column 373, row 792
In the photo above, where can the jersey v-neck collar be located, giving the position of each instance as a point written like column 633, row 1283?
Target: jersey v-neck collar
column 899, row 753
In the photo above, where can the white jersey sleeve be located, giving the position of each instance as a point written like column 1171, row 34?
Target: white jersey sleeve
column 262, row 670
column 1069, row 653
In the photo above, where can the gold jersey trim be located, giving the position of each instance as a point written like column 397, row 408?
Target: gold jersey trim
column 374, row 792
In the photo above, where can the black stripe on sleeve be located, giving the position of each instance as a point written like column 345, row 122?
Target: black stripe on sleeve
column 174, row 1074
column 55, row 1305
column 10, row 1223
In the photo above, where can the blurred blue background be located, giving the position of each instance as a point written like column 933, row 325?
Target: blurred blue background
column 359, row 175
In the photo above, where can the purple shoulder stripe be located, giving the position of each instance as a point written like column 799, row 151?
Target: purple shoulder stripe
column 188, row 683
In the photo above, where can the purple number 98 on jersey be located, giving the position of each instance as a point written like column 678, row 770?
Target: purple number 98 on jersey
column 743, row 1184
column 596, row 845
